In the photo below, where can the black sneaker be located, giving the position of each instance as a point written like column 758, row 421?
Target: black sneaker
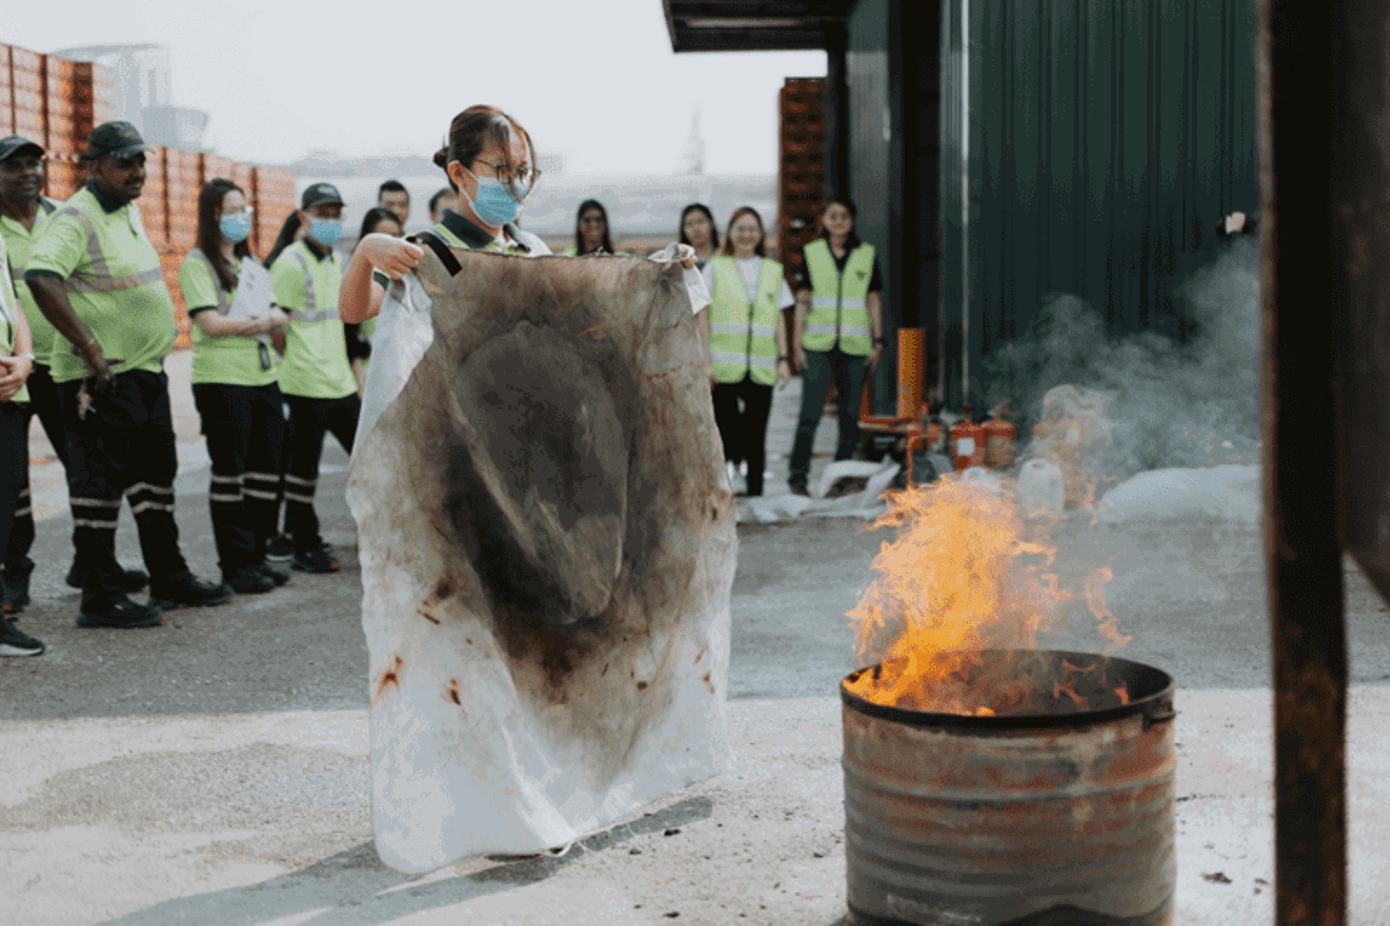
column 123, row 614
column 279, row 550
column 186, row 588
column 277, row 575
column 16, row 597
column 127, row 580
column 314, row 560
column 249, row 580
column 14, row 642
column 15, row 600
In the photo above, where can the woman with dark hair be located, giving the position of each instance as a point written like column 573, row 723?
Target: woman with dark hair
column 490, row 162
column 591, row 231
column 747, row 344
column 839, row 332
column 236, row 392
column 698, row 230
column 291, row 230
column 378, row 220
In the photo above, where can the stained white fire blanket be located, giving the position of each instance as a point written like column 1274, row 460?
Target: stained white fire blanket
column 547, row 547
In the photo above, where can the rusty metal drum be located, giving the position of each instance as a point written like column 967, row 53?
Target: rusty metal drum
column 1059, row 815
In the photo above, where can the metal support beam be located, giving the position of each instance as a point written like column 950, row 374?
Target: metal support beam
column 1302, row 549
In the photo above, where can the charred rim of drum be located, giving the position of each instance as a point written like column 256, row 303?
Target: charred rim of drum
column 1150, row 694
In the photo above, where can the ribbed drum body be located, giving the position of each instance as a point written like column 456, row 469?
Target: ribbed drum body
column 996, row 822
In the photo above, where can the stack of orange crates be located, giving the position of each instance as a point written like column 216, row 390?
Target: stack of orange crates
column 274, row 200
column 56, row 103
column 26, row 94
column 6, row 92
column 800, row 173
column 182, row 181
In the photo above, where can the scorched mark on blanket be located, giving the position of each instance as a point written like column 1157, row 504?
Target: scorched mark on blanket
column 391, row 676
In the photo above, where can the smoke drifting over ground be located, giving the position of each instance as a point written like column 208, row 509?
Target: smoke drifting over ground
column 1173, row 405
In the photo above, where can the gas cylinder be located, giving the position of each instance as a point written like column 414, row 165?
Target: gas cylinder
column 933, row 439
column 967, row 441
column 999, row 439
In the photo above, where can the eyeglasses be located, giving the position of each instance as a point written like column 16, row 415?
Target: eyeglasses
column 523, row 178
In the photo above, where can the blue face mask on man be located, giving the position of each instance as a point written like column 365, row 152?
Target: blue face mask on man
column 236, row 228
column 325, row 231
column 494, row 204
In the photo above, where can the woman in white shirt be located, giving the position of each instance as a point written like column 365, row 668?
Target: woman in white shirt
column 747, row 343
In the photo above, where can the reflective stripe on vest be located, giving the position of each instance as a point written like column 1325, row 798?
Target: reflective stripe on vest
column 839, row 302
column 101, row 280
column 224, row 299
column 310, row 312
column 743, row 337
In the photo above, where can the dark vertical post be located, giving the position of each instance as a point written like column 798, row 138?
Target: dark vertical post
column 836, row 104
column 1302, row 549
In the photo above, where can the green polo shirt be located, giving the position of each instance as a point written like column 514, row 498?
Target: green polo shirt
column 111, row 274
column 19, row 244
column 9, row 318
column 230, row 360
column 306, row 279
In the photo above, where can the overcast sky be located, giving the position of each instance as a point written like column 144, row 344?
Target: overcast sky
column 596, row 82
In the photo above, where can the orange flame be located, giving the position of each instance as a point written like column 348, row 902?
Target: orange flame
column 959, row 578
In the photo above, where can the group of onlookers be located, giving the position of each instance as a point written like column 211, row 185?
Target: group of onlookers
column 88, row 322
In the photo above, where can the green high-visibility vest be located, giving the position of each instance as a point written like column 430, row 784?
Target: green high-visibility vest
column 839, row 302
column 743, row 337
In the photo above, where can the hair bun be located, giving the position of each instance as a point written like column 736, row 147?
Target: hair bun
column 441, row 158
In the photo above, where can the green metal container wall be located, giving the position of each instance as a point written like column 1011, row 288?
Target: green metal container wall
column 1107, row 138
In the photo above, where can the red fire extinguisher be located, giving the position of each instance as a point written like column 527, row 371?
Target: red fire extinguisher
column 967, row 442
column 999, row 439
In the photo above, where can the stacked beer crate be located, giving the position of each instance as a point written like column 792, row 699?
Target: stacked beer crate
column 56, row 103
column 274, row 199
column 800, row 172
column 26, row 93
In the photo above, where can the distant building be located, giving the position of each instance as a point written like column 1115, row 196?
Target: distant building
column 141, row 81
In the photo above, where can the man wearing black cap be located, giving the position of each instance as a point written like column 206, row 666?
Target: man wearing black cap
column 95, row 275
column 23, row 212
column 316, row 378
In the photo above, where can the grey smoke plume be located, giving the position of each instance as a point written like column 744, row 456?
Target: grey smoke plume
column 1190, row 405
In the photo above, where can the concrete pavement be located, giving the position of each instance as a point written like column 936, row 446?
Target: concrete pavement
column 215, row 770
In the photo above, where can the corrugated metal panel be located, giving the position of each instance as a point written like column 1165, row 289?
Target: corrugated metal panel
column 1107, row 138
column 871, row 143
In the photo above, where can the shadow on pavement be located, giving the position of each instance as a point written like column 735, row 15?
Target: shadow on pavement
column 362, row 891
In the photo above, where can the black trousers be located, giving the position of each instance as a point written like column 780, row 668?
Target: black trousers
column 14, row 478
column 310, row 420
column 122, row 445
column 43, row 402
column 744, row 431
column 245, row 431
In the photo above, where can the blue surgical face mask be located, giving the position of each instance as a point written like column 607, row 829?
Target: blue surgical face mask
column 236, row 228
column 325, row 231
column 494, row 204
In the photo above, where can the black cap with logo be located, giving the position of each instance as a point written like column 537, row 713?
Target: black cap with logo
column 118, row 139
column 320, row 194
column 12, row 145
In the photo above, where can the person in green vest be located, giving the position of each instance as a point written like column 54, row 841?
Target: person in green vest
column 96, row 276
column 16, row 363
column 838, row 334
column 315, row 378
column 236, row 391
column 23, row 210
column 591, row 232
column 747, row 343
